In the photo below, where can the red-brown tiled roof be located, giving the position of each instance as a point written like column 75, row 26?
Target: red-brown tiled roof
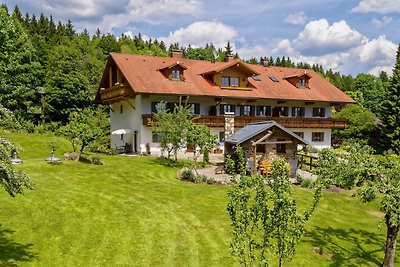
column 142, row 75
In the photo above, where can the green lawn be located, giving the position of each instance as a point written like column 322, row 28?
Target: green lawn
column 132, row 211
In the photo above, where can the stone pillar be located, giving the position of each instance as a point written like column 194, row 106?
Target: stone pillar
column 229, row 124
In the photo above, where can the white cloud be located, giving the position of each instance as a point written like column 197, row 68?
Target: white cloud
column 202, row 32
column 318, row 37
column 378, row 6
column 107, row 14
column 298, row 18
column 360, row 55
column 380, row 23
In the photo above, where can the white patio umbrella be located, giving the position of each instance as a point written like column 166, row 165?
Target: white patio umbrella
column 121, row 131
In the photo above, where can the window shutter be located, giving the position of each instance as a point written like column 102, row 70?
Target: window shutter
column 252, row 110
column 233, row 109
column 293, row 112
column 322, row 112
column 241, row 111
column 197, row 109
column 268, row 113
column 153, row 107
column 314, row 112
column 221, row 109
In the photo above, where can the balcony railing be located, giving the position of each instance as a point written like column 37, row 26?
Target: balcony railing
column 241, row 121
column 115, row 93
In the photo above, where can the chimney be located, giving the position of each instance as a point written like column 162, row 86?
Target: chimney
column 264, row 62
column 228, row 58
column 229, row 124
column 176, row 54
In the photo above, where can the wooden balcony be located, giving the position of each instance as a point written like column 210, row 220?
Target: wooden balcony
column 115, row 93
column 241, row 121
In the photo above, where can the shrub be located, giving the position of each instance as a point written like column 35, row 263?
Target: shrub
column 188, row 175
column 230, row 165
column 307, row 183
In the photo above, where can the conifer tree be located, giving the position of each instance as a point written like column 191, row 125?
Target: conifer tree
column 391, row 110
column 228, row 49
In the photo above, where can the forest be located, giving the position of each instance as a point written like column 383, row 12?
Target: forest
column 49, row 72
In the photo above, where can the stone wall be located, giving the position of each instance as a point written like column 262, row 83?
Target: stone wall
column 270, row 153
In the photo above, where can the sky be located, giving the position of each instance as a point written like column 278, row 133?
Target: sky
column 350, row 36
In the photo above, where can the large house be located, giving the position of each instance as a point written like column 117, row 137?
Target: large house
column 134, row 85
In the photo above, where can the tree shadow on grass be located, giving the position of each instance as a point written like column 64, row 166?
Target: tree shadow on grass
column 350, row 247
column 12, row 252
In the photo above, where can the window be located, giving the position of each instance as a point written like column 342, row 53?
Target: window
column 230, row 81
column 281, row 148
column 225, row 81
column 302, row 83
column 194, row 108
column 156, row 137
column 301, row 134
column 282, row 111
column 264, row 111
column 226, row 108
column 318, row 112
column 234, row 81
column 317, row 137
column 260, row 148
column 246, row 110
column 175, row 75
column 221, row 137
column 298, row 112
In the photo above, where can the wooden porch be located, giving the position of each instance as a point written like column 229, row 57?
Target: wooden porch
column 241, row 121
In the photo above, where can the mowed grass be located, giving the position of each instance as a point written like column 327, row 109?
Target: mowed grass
column 132, row 211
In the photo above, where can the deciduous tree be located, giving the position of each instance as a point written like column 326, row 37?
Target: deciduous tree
column 373, row 175
column 172, row 125
column 201, row 139
column 12, row 180
column 265, row 219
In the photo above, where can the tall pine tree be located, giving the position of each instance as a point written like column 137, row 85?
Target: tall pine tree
column 391, row 110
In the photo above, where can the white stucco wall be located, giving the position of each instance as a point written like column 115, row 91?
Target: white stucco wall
column 308, row 137
column 131, row 118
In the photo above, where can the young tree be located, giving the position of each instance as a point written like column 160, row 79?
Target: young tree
column 172, row 127
column 266, row 219
column 373, row 175
column 81, row 129
column 11, row 180
column 201, row 139
column 391, row 110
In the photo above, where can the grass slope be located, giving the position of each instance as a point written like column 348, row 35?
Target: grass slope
column 134, row 212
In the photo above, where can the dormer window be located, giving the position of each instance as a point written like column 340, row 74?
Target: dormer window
column 174, row 72
column 176, row 75
column 302, row 83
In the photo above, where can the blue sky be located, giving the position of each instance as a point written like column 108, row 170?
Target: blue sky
column 351, row 36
